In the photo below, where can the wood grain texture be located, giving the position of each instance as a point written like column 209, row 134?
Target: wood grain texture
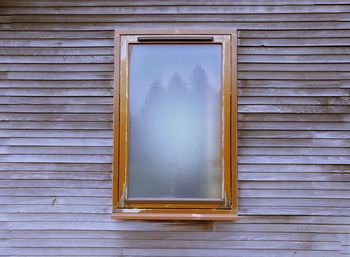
column 56, row 97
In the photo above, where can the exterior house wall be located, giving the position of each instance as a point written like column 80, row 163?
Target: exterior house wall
column 56, row 97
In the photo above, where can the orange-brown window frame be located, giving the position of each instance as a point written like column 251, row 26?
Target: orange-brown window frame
column 166, row 209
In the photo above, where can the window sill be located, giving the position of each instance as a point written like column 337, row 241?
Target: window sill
column 144, row 215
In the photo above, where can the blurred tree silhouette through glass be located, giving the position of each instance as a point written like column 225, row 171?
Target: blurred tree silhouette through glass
column 175, row 121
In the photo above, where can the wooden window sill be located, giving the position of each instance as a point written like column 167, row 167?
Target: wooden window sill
column 175, row 216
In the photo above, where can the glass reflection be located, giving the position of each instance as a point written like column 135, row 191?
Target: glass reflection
column 175, row 121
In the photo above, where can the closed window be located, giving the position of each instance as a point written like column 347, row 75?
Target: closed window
column 175, row 125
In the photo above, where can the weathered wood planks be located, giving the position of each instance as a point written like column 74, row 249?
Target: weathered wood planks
column 56, row 96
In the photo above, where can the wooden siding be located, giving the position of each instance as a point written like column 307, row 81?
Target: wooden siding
column 56, row 72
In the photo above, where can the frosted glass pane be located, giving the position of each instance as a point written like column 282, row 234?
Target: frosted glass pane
column 175, row 121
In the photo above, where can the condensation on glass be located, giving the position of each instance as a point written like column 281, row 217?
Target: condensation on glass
column 175, row 134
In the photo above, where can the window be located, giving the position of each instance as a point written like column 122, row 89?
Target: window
column 175, row 125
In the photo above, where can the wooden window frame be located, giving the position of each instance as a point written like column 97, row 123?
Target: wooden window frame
column 164, row 209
